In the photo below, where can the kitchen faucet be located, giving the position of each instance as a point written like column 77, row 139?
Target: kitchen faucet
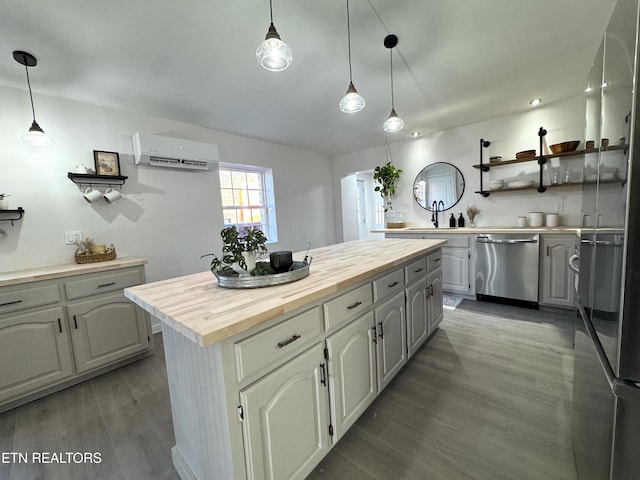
column 434, row 209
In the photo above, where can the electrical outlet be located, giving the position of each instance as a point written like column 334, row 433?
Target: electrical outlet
column 559, row 206
column 72, row 236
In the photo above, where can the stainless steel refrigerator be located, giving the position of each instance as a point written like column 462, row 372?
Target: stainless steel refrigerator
column 606, row 394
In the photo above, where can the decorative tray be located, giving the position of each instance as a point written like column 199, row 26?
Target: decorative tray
column 298, row 271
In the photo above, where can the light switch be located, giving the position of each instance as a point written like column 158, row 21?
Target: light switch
column 72, row 236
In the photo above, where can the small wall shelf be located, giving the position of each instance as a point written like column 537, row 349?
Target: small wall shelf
column 11, row 215
column 91, row 179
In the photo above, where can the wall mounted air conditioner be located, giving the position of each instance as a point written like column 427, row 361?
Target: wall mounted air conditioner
column 160, row 151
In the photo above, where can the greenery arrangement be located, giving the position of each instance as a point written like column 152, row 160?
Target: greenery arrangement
column 386, row 175
column 233, row 247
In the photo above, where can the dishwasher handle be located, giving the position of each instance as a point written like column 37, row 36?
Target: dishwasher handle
column 482, row 239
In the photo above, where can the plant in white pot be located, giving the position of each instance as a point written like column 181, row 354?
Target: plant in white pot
column 239, row 252
column 4, row 203
column 387, row 176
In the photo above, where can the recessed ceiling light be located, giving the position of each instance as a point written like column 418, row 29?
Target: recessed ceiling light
column 415, row 134
column 535, row 101
column 587, row 90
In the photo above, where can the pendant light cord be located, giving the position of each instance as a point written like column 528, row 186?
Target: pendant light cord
column 391, row 62
column 348, row 42
column 271, row 11
column 26, row 69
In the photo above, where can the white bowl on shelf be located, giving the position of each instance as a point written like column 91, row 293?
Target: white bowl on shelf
column 520, row 184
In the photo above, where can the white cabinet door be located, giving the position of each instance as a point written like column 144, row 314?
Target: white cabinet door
column 352, row 372
column 392, row 339
column 557, row 279
column 435, row 299
column 286, row 419
column 417, row 315
column 35, row 352
column 455, row 268
column 106, row 329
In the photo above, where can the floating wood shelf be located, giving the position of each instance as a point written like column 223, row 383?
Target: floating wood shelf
column 11, row 215
column 93, row 179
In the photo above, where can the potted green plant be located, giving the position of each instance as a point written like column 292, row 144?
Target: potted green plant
column 239, row 252
column 4, row 203
column 387, row 176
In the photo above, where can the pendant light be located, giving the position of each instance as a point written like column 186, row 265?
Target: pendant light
column 394, row 123
column 35, row 136
column 352, row 102
column 273, row 54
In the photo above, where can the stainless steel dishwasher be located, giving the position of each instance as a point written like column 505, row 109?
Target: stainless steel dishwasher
column 507, row 268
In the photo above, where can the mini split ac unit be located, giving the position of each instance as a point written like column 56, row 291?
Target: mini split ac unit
column 159, row 151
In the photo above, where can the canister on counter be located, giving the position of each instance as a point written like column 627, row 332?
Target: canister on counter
column 552, row 220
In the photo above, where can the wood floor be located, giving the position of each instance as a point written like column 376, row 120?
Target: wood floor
column 488, row 398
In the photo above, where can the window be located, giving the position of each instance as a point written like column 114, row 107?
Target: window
column 247, row 199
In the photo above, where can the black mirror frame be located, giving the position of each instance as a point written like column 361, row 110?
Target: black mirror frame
column 464, row 186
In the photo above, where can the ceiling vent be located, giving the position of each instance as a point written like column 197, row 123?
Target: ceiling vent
column 169, row 152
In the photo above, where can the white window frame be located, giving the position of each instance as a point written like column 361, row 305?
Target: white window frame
column 269, row 224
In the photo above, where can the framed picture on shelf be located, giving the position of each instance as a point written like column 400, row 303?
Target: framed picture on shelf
column 107, row 163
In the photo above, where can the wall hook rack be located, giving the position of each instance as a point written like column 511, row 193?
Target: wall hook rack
column 90, row 179
column 11, row 215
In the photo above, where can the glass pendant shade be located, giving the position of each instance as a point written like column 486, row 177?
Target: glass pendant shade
column 394, row 123
column 352, row 102
column 36, row 137
column 273, row 54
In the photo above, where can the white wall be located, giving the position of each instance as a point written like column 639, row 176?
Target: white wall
column 563, row 121
column 169, row 217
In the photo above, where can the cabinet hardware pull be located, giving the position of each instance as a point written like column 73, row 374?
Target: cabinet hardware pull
column 419, row 270
column 323, row 375
column 431, row 290
column 391, row 285
column 75, row 322
column 60, row 325
column 374, row 336
column 381, row 335
column 10, row 303
column 436, row 259
column 286, row 342
column 547, row 250
column 354, row 305
column 106, row 285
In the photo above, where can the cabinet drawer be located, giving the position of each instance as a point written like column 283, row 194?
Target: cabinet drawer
column 266, row 348
column 415, row 270
column 347, row 306
column 94, row 284
column 388, row 285
column 21, row 297
column 457, row 241
column 434, row 261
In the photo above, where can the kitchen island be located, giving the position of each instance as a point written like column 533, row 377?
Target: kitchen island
column 264, row 382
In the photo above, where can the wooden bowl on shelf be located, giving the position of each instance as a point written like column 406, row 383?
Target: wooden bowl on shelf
column 565, row 146
column 526, row 154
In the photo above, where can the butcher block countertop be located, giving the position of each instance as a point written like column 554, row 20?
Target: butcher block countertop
column 67, row 270
column 196, row 307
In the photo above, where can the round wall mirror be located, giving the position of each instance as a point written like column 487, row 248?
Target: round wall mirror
column 438, row 182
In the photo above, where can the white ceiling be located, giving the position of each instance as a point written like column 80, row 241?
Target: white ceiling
column 457, row 61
